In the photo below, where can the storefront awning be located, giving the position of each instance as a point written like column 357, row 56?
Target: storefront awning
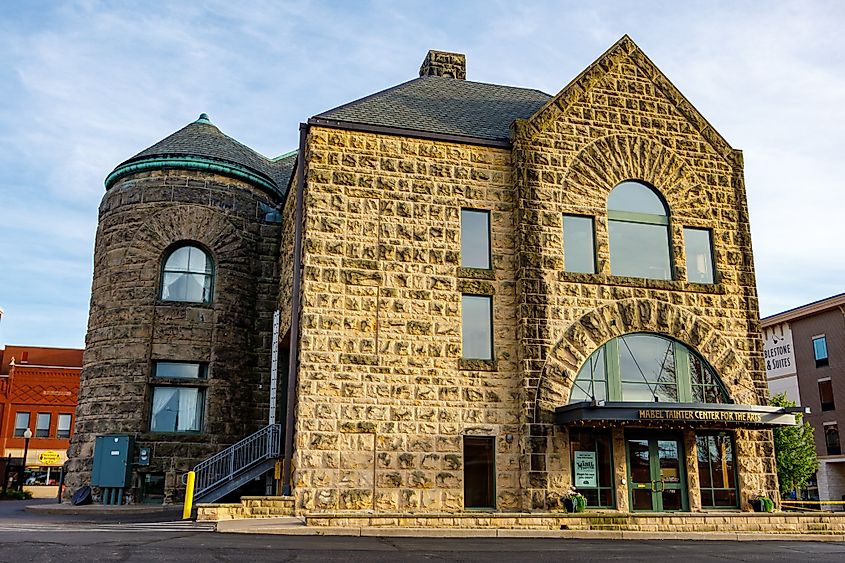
column 693, row 415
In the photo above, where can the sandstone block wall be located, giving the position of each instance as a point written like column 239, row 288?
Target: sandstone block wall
column 130, row 327
column 622, row 119
column 384, row 398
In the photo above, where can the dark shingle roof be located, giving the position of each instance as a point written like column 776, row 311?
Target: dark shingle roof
column 445, row 106
column 202, row 139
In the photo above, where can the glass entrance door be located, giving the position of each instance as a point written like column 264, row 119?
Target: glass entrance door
column 656, row 477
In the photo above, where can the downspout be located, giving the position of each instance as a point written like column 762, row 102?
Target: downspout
column 293, row 357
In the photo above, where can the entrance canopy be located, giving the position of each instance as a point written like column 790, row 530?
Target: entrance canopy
column 689, row 415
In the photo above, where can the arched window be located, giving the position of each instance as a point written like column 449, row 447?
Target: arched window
column 188, row 275
column 646, row 368
column 638, row 225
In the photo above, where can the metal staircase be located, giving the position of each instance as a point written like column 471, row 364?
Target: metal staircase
column 238, row 464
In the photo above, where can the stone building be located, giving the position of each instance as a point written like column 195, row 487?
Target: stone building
column 486, row 294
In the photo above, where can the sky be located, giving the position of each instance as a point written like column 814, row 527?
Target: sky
column 85, row 85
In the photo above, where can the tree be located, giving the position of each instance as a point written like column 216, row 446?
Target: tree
column 795, row 450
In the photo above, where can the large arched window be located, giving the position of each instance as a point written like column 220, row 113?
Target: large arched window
column 188, row 275
column 638, row 225
column 644, row 367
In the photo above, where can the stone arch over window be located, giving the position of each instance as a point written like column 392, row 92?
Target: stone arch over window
column 626, row 316
column 646, row 367
column 638, row 231
column 187, row 274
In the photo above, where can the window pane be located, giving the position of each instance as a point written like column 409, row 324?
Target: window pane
column 477, row 327
column 179, row 370
column 42, row 425
column 639, row 250
column 591, row 382
column 179, row 259
column 578, row 245
column 826, row 395
column 21, row 423
column 63, row 426
column 198, row 261
column 590, row 457
column 644, row 358
column 699, row 255
column 176, row 409
column 475, row 239
column 635, row 197
column 820, row 348
column 831, row 438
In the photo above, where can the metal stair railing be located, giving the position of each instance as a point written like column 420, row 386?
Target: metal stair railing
column 238, row 458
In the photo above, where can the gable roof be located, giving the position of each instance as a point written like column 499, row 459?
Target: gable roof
column 444, row 106
column 622, row 49
column 202, row 143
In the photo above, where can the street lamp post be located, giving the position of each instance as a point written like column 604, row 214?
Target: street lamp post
column 27, row 434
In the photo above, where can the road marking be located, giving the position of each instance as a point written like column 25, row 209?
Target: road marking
column 177, row 526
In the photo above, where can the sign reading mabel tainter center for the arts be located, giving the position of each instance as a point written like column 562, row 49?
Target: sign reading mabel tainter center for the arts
column 681, row 414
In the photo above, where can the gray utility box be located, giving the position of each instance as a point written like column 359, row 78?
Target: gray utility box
column 112, row 461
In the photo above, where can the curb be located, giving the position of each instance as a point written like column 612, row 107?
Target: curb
column 100, row 509
column 293, row 529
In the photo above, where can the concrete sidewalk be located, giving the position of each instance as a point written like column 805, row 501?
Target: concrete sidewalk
column 100, row 509
column 292, row 526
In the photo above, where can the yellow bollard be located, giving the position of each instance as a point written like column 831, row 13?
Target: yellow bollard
column 189, row 496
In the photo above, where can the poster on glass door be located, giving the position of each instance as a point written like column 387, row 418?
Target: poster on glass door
column 585, row 469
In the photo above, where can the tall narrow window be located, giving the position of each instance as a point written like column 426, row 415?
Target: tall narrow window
column 21, row 423
column 477, row 327
column 579, row 254
column 188, row 276
column 826, row 394
column 479, row 472
column 42, row 425
column 831, row 439
column 716, row 471
column 699, row 250
column 820, row 351
column 592, row 466
column 475, row 239
column 63, row 425
column 638, row 227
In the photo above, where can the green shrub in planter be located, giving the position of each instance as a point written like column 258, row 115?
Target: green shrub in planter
column 762, row 504
column 575, row 503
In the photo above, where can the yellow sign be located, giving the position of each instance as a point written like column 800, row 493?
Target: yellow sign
column 49, row 457
column 728, row 416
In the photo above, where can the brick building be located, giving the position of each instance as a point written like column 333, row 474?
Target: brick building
column 805, row 358
column 485, row 294
column 38, row 389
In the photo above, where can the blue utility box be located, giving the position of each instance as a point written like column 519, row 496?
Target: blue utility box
column 112, row 461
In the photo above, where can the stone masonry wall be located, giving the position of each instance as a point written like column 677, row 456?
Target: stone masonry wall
column 129, row 327
column 622, row 119
column 384, row 398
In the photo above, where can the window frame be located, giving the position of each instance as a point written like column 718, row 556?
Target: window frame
column 638, row 218
column 69, row 426
column 488, row 215
column 490, row 325
column 163, row 271
column 821, row 361
column 734, row 471
column 594, row 253
column 18, row 431
column 607, row 435
column 41, row 432
column 199, row 383
column 711, row 254
column 826, row 405
column 829, row 448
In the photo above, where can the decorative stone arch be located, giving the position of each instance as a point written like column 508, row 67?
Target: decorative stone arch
column 212, row 229
column 601, row 165
column 593, row 329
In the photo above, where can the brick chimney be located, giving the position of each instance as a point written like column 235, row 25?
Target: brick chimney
column 441, row 63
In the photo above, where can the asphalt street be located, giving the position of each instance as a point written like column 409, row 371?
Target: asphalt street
column 63, row 538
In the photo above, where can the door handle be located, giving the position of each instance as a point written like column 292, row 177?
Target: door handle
column 661, row 486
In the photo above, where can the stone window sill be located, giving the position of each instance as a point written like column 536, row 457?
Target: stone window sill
column 476, row 273
column 626, row 281
column 467, row 364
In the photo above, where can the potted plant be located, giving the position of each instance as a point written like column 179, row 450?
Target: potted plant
column 573, row 501
column 761, row 503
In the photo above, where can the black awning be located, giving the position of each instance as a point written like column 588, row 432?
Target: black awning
column 694, row 415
